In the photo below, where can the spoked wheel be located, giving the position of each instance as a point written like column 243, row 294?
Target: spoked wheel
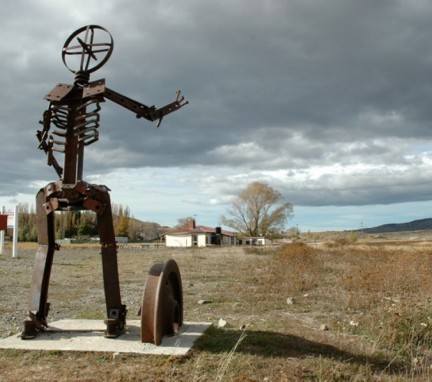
column 162, row 306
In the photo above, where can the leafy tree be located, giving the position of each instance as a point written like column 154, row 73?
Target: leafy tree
column 75, row 222
column 259, row 210
column 86, row 228
column 123, row 226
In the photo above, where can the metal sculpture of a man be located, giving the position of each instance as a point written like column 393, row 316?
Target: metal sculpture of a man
column 70, row 123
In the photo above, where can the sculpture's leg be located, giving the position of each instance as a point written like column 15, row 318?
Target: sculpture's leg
column 116, row 312
column 38, row 305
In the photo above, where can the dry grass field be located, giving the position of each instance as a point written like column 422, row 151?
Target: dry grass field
column 333, row 309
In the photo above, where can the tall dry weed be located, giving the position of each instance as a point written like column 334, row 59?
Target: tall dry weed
column 383, row 295
column 294, row 270
column 386, row 296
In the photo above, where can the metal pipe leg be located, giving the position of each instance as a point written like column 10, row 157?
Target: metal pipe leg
column 38, row 305
column 116, row 312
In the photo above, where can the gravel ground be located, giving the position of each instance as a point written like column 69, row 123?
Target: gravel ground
column 15, row 277
column 76, row 288
column 76, row 285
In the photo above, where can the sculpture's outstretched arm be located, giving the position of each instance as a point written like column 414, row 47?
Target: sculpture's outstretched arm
column 151, row 113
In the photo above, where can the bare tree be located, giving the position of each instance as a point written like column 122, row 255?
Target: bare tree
column 259, row 210
column 184, row 222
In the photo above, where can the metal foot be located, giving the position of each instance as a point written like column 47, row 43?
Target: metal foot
column 30, row 331
column 116, row 323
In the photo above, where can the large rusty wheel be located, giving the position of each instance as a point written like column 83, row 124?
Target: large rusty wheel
column 162, row 305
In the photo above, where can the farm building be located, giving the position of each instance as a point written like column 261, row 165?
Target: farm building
column 199, row 236
column 253, row 241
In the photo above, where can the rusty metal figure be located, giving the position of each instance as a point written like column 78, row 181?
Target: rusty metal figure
column 70, row 123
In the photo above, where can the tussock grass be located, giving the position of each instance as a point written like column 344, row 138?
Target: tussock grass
column 375, row 298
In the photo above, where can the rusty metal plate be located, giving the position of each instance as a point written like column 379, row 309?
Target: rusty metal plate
column 59, row 92
column 94, row 88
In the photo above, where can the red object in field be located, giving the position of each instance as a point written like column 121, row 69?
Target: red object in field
column 3, row 222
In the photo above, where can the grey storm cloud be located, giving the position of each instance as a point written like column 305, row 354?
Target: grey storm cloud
column 273, row 85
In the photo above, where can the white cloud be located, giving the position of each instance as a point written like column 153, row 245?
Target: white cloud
column 242, row 152
column 377, row 119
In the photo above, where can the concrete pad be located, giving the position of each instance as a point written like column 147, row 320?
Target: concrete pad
column 88, row 335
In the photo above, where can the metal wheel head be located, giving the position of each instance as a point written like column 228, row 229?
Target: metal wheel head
column 88, row 48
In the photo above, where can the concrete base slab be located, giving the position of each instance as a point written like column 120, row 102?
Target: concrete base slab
column 88, row 335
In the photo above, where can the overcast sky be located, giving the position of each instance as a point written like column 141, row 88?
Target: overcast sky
column 327, row 101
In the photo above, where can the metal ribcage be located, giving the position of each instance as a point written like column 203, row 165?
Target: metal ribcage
column 59, row 117
column 85, row 126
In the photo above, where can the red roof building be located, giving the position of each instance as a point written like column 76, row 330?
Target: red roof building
column 194, row 235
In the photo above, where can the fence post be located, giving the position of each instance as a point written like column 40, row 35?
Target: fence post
column 2, row 234
column 15, row 234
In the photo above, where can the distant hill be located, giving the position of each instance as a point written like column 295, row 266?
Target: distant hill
column 415, row 225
